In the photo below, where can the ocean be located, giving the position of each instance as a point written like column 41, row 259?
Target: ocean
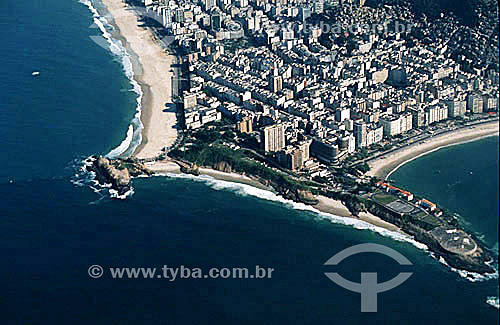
column 55, row 224
column 462, row 178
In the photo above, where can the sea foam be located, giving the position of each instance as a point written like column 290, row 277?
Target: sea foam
column 492, row 301
column 244, row 190
column 83, row 177
column 134, row 138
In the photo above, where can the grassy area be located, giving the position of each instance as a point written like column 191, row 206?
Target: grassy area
column 428, row 220
column 384, row 198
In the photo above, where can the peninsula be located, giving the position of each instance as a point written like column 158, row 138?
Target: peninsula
column 270, row 98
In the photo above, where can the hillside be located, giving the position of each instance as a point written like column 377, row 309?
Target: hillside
column 465, row 10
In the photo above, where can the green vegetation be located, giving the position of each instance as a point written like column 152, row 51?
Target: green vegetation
column 364, row 168
column 387, row 147
column 354, row 203
column 425, row 220
column 211, row 155
column 384, row 198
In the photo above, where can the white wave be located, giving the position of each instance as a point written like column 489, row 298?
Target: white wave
column 492, row 301
column 470, row 276
column 244, row 189
column 115, row 195
column 115, row 153
column 116, row 47
column 475, row 277
column 84, row 177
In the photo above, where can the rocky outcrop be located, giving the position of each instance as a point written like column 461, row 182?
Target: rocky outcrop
column 301, row 196
column 193, row 169
column 473, row 263
column 106, row 173
column 117, row 172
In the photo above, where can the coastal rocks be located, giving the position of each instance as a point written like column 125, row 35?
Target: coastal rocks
column 474, row 260
column 455, row 247
column 117, row 172
column 307, row 197
column 106, row 173
column 193, row 170
column 301, row 196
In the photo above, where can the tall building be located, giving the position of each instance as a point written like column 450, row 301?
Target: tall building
column 245, row 125
column 179, row 15
column 359, row 3
column 342, row 114
column 396, row 124
column 418, row 116
column 318, row 6
column 360, row 134
column 275, row 81
column 490, row 103
column 325, row 149
column 216, row 21
column 272, row 138
column 475, row 103
column 294, row 157
column 209, row 4
column 189, row 100
column 455, row 107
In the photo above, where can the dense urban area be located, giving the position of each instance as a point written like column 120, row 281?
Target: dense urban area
column 300, row 94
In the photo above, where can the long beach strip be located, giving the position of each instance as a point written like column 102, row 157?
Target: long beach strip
column 154, row 76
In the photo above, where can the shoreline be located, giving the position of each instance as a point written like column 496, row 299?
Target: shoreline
column 384, row 167
column 325, row 205
column 152, row 71
column 122, row 19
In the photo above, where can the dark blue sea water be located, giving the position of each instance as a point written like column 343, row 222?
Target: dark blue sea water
column 462, row 178
column 52, row 230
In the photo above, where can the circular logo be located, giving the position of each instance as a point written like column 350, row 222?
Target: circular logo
column 95, row 271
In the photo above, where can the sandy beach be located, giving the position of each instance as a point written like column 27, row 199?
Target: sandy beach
column 325, row 204
column 336, row 207
column 154, row 76
column 159, row 117
column 383, row 167
column 171, row 167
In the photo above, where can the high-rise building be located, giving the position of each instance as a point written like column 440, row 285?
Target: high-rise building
column 396, row 124
column 179, row 15
column 245, row 125
column 216, row 21
column 294, row 157
column 208, row 4
column 275, row 81
column 455, row 107
column 342, row 114
column 318, row 6
column 325, row 149
column 189, row 100
column 475, row 103
column 272, row 138
column 418, row 116
column 360, row 134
